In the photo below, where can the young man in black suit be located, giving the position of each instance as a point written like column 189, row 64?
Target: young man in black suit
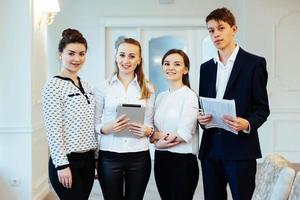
column 232, row 74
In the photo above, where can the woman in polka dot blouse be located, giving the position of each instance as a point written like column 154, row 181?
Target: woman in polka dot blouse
column 69, row 108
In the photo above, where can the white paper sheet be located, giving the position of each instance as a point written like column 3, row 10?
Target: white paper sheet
column 217, row 108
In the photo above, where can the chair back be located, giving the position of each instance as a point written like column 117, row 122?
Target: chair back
column 274, row 179
column 295, row 193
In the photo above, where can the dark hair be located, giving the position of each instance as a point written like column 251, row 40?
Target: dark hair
column 143, row 83
column 222, row 14
column 185, row 77
column 71, row 36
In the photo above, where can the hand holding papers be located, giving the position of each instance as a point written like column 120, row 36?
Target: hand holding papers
column 218, row 108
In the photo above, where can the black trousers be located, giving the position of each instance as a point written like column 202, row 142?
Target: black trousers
column 217, row 172
column 117, row 171
column 176, row 175
column 82, row 167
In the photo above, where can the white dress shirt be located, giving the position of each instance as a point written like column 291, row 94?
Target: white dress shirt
column 223, row 73
column 109, row 96
column 175, row 112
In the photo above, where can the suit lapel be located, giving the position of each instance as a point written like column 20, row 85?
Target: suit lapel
column 238, row 63
column 214, row 68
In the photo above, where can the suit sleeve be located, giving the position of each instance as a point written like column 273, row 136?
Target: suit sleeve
column 260, row 105
column 201, row 89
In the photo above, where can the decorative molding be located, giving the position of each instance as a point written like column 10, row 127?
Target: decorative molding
column 285, row 110
column 139, row 22
column 21, row 129
column 276, row 73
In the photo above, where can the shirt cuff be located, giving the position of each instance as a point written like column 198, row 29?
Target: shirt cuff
column 186, row 136
column 98, row 128
column 248, row 130
column 62, row 167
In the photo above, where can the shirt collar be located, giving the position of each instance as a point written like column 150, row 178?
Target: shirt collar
column 115, row 78
column 232, row 56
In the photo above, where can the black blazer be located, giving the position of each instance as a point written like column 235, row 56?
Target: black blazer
column 247, row 86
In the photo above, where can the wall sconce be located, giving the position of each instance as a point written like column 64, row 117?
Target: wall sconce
column 49, row 10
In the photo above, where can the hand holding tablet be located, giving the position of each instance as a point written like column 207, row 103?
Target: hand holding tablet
column 134, row 113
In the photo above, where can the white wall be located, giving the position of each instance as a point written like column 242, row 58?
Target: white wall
column 273, row 32
column 15, row 119
column 23, row 68
column 86, row 16
column 39, row 71
column 257, row 21
column 15, row 63
column 23, row 146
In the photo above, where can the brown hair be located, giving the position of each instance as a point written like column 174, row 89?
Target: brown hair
column 185, row 77
column 71, row 36
column 143, row 82
column 222, row 14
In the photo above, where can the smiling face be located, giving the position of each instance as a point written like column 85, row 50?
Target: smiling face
column 174, row 67
column 222, row 34
column 127, row 58
column 72, row 57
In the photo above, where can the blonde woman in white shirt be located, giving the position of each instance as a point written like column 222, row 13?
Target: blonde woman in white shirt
column 124, row 160
column 176, row 133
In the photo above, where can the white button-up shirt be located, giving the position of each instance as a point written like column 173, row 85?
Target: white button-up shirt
column 176, row 112
column 223, row 73
column 108, row 97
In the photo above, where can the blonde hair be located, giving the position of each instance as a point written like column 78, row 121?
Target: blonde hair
column 143, row 82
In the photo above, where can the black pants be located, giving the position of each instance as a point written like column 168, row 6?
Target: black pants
column 82, row 167
column 176, row 175
column 117, row 171
column 218, row 172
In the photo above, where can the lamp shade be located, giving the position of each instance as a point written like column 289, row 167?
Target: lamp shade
column 51, row 6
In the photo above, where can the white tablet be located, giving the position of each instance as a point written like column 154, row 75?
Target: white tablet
column 135, row 113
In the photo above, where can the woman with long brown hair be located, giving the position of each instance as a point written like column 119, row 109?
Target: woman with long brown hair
column 176, row 135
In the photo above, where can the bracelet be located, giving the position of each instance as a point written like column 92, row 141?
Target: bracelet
column 152, row 132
